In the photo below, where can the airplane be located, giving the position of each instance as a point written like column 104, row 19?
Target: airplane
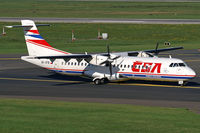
column 104, row 67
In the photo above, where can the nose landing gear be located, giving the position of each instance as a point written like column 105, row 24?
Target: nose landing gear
column 182, row 83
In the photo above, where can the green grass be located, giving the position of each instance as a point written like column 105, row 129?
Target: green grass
column 34, row 116
column 100, row 9
column 123, row 37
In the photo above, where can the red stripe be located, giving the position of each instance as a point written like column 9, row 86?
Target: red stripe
column 47, row 47
column 41, row 42
column 33, row 31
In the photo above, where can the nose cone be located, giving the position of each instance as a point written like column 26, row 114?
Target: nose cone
column 191, row 73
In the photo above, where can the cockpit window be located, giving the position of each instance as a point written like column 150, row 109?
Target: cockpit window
column 181, row 64
column 171, row 65
column 177, row 65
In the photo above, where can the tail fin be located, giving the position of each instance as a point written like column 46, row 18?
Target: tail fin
column 36, row 45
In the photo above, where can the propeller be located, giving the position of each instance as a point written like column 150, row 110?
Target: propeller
column 109, row 60
column 156, row 50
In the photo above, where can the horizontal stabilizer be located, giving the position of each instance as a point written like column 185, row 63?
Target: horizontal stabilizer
column 16, row 26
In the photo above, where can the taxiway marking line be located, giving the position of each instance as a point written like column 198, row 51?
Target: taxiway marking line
column 189, row 54
column 41, row 80
column 63, row 81
column 9, row 58
column 191, row 60
column 154, row 85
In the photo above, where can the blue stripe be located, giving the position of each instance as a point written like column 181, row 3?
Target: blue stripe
column 171, row 77
column 157, row 76
column 36, row 36
column 140, row 75
column 68, row 71
column 73, row 72
column 128, row 75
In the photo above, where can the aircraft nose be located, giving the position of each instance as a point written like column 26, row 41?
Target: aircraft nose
column 191, row 72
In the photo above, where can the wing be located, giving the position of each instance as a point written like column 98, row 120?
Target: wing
column 135, row 53
column 87, row 56
column 162, row 50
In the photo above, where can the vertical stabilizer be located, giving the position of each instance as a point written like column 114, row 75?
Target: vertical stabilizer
column 36, row 44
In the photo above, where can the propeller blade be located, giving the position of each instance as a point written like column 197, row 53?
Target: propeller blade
column 156, row 50
column 110, row 68
column 116, row 58
column 109, row 60
column 108, row 50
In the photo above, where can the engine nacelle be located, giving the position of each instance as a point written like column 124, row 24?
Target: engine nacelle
column 98, row 59
column 145, row 54
column 99, row 75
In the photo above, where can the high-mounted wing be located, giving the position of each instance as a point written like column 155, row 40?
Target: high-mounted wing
column 156, row 51
column 162, row 50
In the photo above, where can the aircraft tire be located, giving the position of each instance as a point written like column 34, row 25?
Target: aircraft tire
column 97, row 81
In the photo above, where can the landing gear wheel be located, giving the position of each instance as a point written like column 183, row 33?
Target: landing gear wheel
column 102, row 81
column 182, row 83
column 97, row 81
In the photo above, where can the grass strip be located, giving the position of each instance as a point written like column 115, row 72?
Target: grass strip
column 100, row 9
column 122, row 37
column 31, row 116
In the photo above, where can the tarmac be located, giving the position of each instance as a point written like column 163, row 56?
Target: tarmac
column 103, row 20
column 19, row 79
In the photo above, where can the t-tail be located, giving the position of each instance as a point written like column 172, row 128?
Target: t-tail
column 36, row 44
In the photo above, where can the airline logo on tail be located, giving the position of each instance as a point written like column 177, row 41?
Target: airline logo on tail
column 36, row 44
column 34, row 37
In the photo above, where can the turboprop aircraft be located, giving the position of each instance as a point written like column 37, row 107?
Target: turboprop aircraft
column 104, row 67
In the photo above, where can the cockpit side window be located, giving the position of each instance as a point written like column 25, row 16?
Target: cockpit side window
column 181, row 64
column 171, row 65
column 177, row 65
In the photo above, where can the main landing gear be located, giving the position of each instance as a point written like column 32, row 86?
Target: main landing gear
column 100, row 81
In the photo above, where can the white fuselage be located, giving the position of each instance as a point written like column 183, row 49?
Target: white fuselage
column 144, row 68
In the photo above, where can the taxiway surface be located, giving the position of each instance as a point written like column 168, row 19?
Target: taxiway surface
column 23, row 80
column 106, row 20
